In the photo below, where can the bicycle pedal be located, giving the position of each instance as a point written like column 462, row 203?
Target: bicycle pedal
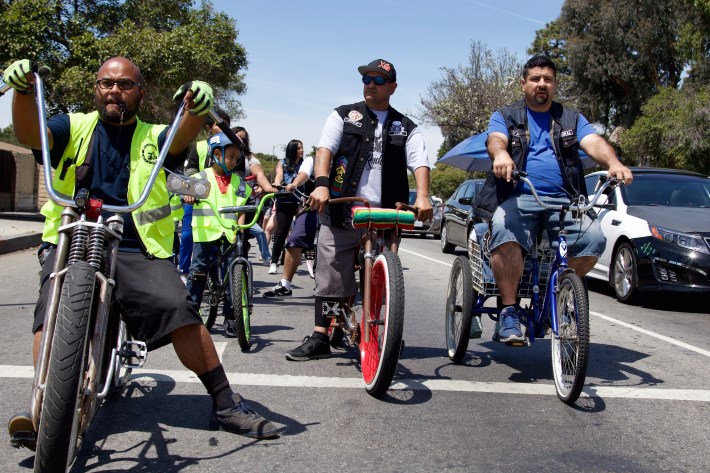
column 476, row 327
column 518, row 343
column 133, row 350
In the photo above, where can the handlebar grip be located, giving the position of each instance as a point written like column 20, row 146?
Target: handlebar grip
column 44, row 71
column 517, row 174
column 224, row 126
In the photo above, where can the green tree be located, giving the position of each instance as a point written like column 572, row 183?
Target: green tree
column 672, row 130
column 550, row 42
column 172, row 42
column 622, row 53
column 461, row 102
column 7, row 135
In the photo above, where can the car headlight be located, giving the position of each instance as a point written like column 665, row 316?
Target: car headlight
column 684, row 240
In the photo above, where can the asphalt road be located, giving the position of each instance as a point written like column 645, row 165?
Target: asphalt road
column 645, row 408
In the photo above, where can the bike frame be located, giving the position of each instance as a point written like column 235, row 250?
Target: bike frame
column 545, row 311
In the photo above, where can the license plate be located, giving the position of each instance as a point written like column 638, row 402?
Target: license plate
column 418, row 224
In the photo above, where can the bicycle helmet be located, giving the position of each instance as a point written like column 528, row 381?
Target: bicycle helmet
column 219, row 141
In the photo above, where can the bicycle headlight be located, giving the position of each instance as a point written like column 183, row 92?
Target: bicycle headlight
column 684, row 240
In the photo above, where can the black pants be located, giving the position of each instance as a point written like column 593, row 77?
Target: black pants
column 284, row 216
column 152, row 299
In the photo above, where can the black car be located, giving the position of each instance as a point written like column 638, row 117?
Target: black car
column 458, row 217
column 657, row 233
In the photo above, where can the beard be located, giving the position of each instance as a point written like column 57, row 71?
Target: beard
column 541, row 99
column 115, row 111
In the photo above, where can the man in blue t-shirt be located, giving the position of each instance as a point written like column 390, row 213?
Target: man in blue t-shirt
column 542, row 138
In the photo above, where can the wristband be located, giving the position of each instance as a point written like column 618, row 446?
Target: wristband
column 322, row 181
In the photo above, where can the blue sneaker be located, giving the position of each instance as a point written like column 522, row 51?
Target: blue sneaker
column 510, row 326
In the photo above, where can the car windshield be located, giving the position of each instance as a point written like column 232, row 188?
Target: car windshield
column 668, row 191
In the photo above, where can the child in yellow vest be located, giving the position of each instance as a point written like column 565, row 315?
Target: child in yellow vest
column 227, row 190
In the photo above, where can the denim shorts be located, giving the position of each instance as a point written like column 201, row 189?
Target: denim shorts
column 519, row 218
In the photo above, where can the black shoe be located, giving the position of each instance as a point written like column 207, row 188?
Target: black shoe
column 243, row 420
column 313, row 348
column 22, row 431
column 230, row 328
column 278, row 291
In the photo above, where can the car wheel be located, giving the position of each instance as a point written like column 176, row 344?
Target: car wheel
column 446, row 247
column 624, row 274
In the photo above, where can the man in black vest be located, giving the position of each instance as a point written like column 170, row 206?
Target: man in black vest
column 542, row 138
column 365, row 150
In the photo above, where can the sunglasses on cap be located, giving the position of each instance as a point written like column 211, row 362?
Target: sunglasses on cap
column 378, row 80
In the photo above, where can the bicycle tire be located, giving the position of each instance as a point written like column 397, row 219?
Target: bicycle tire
column 459, row 309
column 58, row 428
column 570, row 347
column 240, row 306
column 379, row 356
column 209, row 308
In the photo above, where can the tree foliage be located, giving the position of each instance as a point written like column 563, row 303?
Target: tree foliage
column 461, row 102
column 672, row 130
column 622, row 53
column 172, row 41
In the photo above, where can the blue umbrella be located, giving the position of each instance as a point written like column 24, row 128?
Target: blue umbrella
column 471, row 155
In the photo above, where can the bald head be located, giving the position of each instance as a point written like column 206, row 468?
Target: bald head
column 118, row 91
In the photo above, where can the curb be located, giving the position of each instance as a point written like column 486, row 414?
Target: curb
column 20, row 242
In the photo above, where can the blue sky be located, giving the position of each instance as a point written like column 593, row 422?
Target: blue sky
column 303, row 55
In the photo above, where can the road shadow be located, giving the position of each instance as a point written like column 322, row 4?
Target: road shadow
column 147, row 412
column 658, row 300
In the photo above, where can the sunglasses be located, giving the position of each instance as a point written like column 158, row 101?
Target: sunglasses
column 378, row 80
column 123, row 84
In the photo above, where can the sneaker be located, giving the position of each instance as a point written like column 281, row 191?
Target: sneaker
column 243, row 420
column 272, row 268
column 22, row 431
column 313, row 348
column 278, row 291
column 510, row 326
column 230, row 328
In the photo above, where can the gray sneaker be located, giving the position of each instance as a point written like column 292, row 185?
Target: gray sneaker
column 243, row 420
column 312, row 348
column 278, row 291
column 510, row 326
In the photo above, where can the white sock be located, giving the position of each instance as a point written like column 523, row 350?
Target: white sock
column 286, row 284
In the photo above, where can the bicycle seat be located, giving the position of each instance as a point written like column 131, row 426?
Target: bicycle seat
column 382, row 218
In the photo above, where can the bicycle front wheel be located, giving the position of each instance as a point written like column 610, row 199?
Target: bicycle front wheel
column 570, row 346
column 459, row 307
column 379, row 356
column 209, row 308
column 240, row 305
column 59, row 422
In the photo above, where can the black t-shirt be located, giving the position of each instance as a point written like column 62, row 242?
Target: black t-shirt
column 109, row 169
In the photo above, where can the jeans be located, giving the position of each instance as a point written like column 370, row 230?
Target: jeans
column 186, row 241
column 203, row 255
column 260, row 236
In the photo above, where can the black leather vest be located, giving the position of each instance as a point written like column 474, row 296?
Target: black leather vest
column 356, row 146
column 565, row 144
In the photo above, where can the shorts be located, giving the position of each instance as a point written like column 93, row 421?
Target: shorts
column 303, row 231
column 152, row 299
column 518, row 219
column 335, row 271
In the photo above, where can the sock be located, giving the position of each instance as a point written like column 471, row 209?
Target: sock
column 218, row 388
column 286, row 284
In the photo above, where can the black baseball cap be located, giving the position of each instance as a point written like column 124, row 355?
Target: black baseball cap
column 380, row 65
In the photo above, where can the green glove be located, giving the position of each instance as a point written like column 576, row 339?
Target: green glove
column 202, row 96
column 15, row 76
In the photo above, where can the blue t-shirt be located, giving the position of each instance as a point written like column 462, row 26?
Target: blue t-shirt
column 109, row 168
column 541, row 164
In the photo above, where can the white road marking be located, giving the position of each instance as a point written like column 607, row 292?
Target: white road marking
column 146, row 376
column 670, row 340
column 220, row 347
column 426, row 257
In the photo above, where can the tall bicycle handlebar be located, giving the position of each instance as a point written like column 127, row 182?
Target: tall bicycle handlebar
column 581, row 204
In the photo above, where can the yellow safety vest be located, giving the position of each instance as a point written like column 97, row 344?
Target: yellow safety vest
column 152, row 220
column 202, row 148
column 205, row 226
column 176, row 210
